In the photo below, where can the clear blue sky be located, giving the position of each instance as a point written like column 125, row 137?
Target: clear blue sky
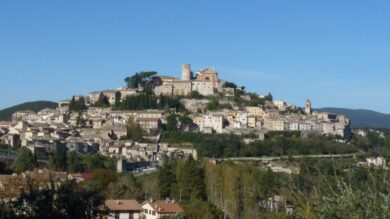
column 333, row 52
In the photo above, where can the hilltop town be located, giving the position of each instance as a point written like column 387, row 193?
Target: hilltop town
column 279, row 111
column 99, row 122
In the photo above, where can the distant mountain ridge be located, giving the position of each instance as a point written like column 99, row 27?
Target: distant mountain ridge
column 6, row 114
column 361, row 117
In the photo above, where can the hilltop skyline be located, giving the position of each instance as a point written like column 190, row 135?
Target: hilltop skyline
column 332, row 53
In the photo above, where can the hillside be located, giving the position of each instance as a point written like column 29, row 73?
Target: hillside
column 362, row 118
column 6, row 114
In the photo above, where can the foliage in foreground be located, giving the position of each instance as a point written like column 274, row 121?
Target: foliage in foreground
column 66, row 201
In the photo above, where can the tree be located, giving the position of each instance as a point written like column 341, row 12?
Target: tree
column 101, row 178
column 228, row 84
column 92, row 162
column 73, row 162
column 57, row 160
column 77, row 105
column 185, row 121
column 72, row 103
column 195, row 95
column 65, row 201
column 269, row 97
column 112, row 135
column 118, row 98
column 102, row 101
column 148, row 100
column 126, row 187
column 213, row 105
column 140, row 79
column 171, row 122
column 166, row 178
column 3, row 167
column 80, row 121
column 24, row 160
column 134, row 131
column 191, row 181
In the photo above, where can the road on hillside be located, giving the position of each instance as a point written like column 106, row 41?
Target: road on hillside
column 146, row 172
column 288, row 157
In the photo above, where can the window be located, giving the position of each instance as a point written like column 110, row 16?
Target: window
column 153, row 213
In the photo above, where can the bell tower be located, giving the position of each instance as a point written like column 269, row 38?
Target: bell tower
column 308, row 109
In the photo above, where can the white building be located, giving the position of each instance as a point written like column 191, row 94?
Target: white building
column 213, row 121
column 155, row 209
column 242, row 119
column 281, row 105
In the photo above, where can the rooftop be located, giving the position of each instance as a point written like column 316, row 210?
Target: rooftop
column 165, row 206
column 123, row 205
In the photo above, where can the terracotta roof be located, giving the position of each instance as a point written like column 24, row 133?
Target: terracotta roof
column 123, row 205
column 165, row 207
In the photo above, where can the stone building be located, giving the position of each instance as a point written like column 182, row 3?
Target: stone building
column 113, row 96
column 208, row 74
column 213, row 121
column 206, row 83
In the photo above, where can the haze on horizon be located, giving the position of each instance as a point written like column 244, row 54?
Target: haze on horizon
column 333, row 52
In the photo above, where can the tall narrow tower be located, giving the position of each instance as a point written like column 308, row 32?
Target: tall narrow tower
column 308, row 107
column 186, row 72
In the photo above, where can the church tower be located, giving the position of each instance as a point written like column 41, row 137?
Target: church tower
column 308, row 107
column 186, row 72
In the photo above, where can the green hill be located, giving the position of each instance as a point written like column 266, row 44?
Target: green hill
column 6, row 114
column 362, row 118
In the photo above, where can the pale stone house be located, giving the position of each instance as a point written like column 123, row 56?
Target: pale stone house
column 155, row 209
column 255, row 111
column 213, row 121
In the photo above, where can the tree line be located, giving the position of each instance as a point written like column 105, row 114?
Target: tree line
column 144, row 101
column 230, row 145
column 62, row 160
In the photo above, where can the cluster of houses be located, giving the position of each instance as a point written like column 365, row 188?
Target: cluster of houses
column 257, row 119
column 103, row 131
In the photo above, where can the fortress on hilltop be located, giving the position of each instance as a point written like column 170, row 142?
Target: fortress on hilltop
column 205, row 82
